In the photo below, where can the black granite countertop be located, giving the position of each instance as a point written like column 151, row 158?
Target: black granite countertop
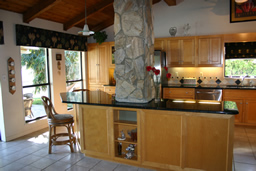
column 208, row 86
column 101, row 98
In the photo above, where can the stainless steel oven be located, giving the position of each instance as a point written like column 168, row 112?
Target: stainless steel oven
column 208, row 94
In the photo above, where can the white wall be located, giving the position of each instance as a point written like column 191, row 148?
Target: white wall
column 206, row 17
column 12, row 120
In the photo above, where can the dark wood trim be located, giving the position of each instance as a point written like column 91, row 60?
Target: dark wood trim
column 37, row 9
column 170, row 2
column 80, row 18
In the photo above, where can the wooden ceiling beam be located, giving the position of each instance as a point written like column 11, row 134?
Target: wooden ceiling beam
column 170, row 2
column 76, row 20
column 103, row 25
column 37, row 9
column 156, row 1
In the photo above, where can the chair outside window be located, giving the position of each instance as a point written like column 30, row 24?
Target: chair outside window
column 28, row 101
column 56, row 120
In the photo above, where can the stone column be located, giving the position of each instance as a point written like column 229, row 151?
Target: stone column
column 134, row 44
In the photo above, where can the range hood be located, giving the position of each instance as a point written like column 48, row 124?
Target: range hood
column 238, row 50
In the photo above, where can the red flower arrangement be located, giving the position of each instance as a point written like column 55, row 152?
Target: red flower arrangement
column 157, row 71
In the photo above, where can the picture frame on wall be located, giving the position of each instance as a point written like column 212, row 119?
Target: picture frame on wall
column 241, row 12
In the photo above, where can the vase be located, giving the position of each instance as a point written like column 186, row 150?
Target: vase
column 157, row 92
column 173, row 31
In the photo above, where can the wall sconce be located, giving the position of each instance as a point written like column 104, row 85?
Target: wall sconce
column 11, row 75
column 240, row 1
column 58, row 58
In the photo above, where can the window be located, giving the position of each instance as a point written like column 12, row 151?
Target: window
column 73, row 65
column 240, row 67
column 35, row 81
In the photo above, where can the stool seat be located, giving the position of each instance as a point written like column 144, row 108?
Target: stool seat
column 54, row 120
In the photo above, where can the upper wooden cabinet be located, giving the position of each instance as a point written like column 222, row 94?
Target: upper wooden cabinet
column 180, row 52
column 160, row 44
column 97, row 60
column 210, row 51
column 194, row 51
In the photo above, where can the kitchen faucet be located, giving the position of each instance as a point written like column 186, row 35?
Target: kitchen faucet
column 243, row 78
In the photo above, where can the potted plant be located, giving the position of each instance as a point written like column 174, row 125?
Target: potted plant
column 100, row 37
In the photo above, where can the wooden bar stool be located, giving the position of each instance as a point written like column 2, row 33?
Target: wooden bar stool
column 54, row 120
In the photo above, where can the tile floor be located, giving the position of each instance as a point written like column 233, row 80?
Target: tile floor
column 30, row 153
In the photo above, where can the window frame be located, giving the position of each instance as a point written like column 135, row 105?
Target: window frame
column 37, row 85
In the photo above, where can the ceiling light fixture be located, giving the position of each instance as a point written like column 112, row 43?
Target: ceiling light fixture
column 85, row 31
column 240, row 1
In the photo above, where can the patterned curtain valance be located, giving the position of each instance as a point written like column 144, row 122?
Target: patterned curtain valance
column 239, row 50
column 1, row 33
column 31, row 36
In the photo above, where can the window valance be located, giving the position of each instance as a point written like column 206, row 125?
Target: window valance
column 239, row 50
column 31, row 36
column 1, row 33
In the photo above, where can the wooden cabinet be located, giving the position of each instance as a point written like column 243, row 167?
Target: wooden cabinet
column 180, row 52
column 210, row 51
column 110, row 89
column 97, row 60
column 245, row 101
column 95, row 130
column 178, row 93
column 161, row 140
column 160, row 44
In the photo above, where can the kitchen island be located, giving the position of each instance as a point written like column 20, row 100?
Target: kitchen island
column 172, row 134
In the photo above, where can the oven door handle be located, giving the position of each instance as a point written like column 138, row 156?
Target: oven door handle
column 207, row 92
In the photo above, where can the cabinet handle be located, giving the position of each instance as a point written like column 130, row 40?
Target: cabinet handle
column 169, row 91
column 97, row 64
column 247, row 103
column 241, row 103
column 186, row 92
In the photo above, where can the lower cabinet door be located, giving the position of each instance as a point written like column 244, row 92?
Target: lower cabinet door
column 95, row 125
column 250, row 112
column 161, row 139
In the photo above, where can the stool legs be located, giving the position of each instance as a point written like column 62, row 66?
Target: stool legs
column 53, row 136
column 71, row 138
column 50, row 140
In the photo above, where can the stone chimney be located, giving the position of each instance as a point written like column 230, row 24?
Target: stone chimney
column 134, row 45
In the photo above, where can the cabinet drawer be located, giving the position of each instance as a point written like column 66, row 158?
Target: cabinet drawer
column 236, row 94
column 110, row 90
column 96, row 87
column 178, row 93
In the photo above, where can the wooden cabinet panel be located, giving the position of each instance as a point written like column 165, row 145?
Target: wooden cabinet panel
column 97, row 60
column 250, row 112
column 92, row 64
column 210, row 51
column 206, row 138
column 110, row 89
column 173, row 53
column 245, row 100
column 180, row 52
column 102, row 65
column 178, row 93
column 160, row 44
column 161, row 139
column 96, row 138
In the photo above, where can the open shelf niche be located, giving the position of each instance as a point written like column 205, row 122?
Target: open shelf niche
column 126, row 122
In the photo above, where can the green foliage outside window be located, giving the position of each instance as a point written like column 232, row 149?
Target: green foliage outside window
column 72, row 63
column 240, row 67
column 36, row 61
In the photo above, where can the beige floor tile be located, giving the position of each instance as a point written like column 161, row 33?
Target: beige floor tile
column 244, row 159
column 244, row 167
